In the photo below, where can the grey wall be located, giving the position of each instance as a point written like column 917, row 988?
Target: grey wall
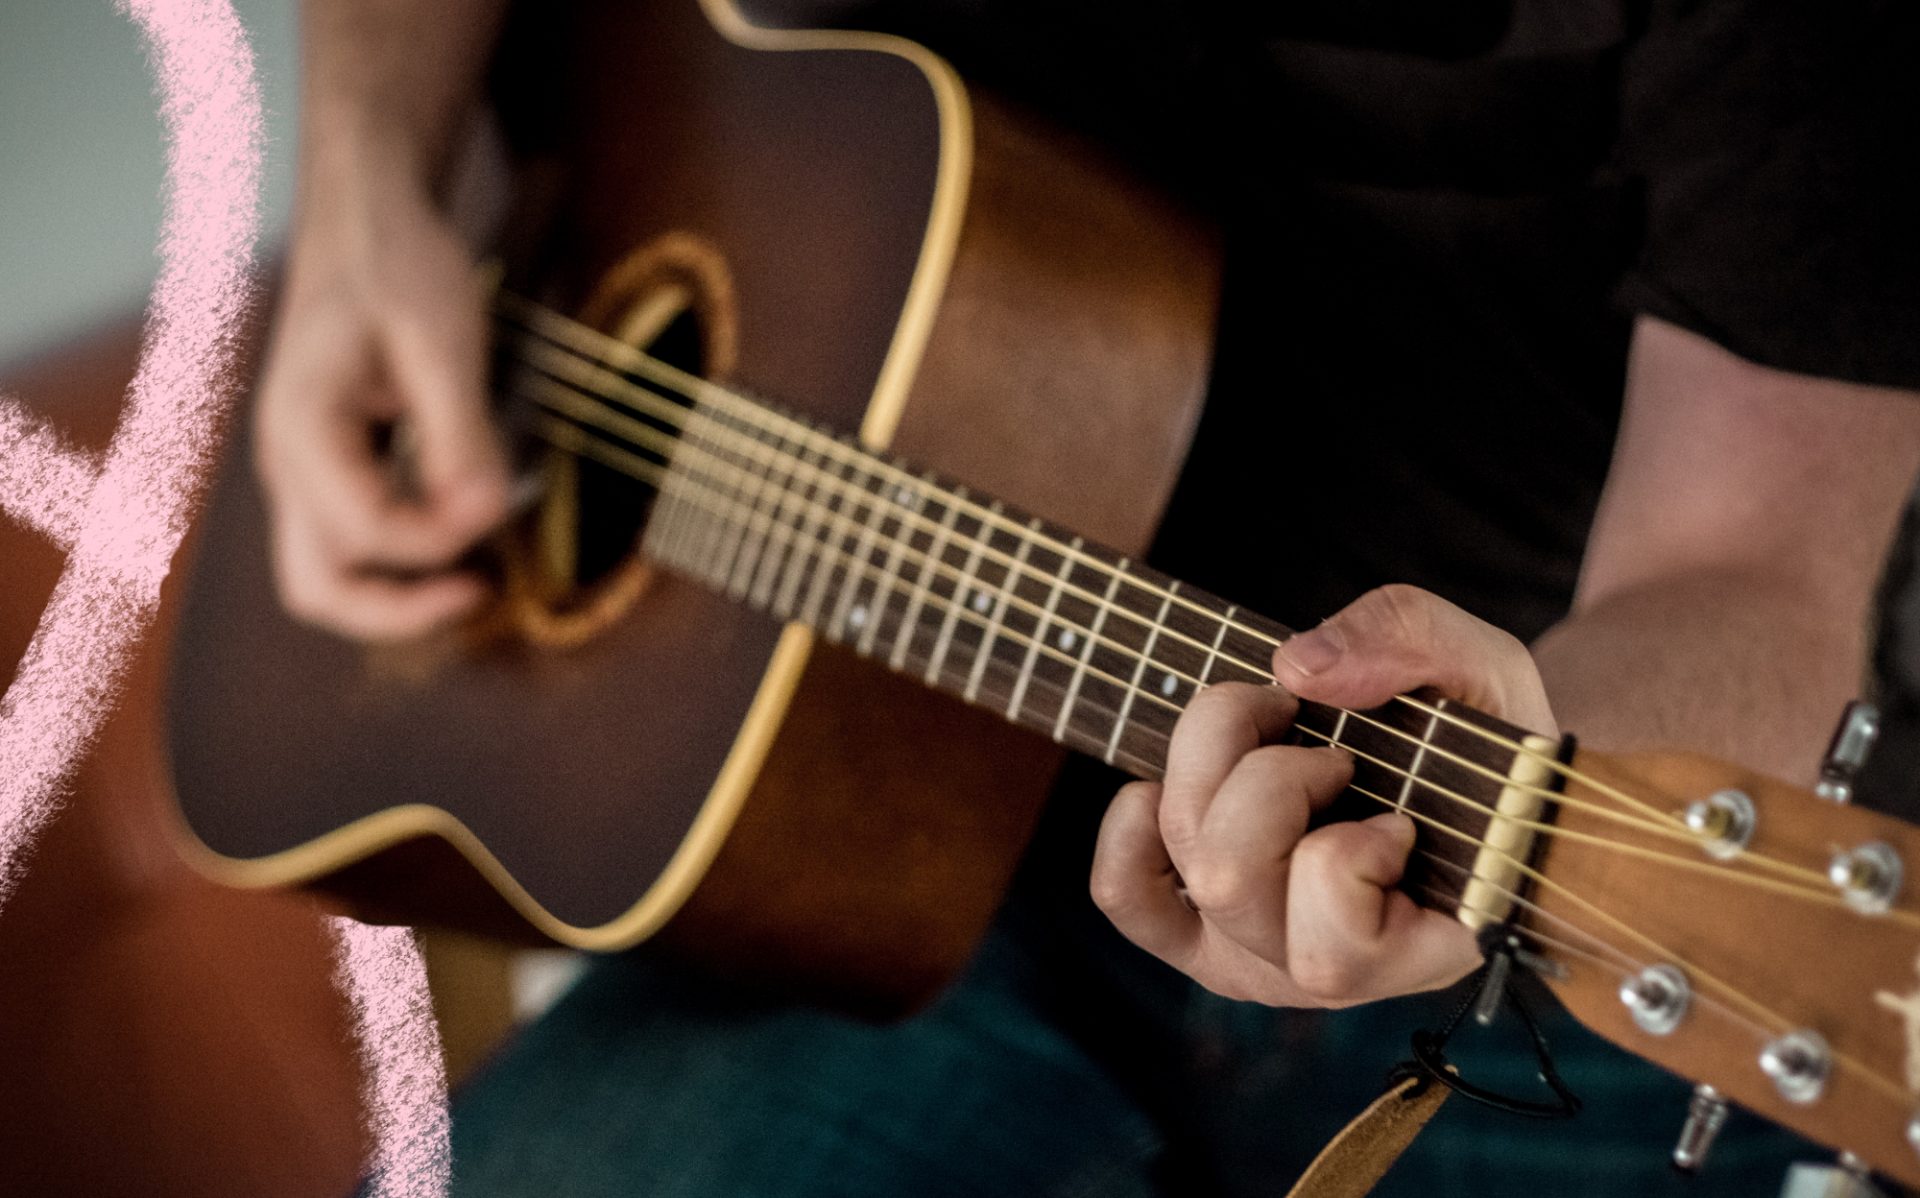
column 80, row 159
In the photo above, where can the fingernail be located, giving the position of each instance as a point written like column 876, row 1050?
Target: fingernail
column 1401, row 825
column 1315, row 650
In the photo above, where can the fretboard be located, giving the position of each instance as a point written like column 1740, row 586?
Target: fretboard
column 988, row 603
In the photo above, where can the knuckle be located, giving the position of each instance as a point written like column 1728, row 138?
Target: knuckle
column 1179, row 821
column 1221, row 700
column 1325, row 975
column 1403, row 611
column 1222, row 885
column 1321, row 855
column 1109, row 888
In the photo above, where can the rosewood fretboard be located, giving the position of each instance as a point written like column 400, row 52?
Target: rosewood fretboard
column 978, row 599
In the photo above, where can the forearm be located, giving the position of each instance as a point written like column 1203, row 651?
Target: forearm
column 1739, row 666
column 388, row 85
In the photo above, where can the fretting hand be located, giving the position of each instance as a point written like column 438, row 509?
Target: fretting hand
column 1270, row 911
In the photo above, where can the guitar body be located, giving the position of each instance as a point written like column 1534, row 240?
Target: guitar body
column 867, row 243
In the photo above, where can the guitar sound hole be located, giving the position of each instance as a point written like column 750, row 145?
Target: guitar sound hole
column 613, row 506
column 578, row 569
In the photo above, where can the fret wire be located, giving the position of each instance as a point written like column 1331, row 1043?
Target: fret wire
column 1213, row 650
column 1039, row 636
column 961, row 586
column 1413, row 771
column 992, row 634
column 773, row 566
column 823, row 574
column 692, row 528
column 805, row 554
column 901, row 542
column 716, row 537
column 1139, row 669
column 736, row 546
column 746, row 563
column 917, row 598
column 1086, row 653
column 869, row 521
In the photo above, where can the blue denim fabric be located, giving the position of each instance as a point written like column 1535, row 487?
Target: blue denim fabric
column 644, row 1082
column 1065, row 1062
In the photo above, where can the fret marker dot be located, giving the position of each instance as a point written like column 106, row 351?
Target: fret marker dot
column 981, row 602
column 856, row 617
column 1169, row 684
column 1067, row 639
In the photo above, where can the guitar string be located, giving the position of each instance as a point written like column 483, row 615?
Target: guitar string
column 945, row 605
column 1596, row 959
column 1768, row 1019
column 531, row 316
column 1716, row 869
column 577, row 406
column 1772, row 1020
column 1435, row 858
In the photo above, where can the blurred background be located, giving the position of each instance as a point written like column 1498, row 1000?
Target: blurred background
column 82, row 146
column 80, row 194
column 162, row 1036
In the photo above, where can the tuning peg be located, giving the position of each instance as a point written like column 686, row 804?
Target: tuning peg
column 1852, row 741
column 1706, row 1114
column 1848, row 1178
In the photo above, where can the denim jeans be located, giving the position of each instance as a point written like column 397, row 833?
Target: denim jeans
column 1065, row 1062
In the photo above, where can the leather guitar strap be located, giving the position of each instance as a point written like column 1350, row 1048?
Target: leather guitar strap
column 1356, row 1159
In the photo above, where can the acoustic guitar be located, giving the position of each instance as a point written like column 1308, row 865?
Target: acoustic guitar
column 760, row 685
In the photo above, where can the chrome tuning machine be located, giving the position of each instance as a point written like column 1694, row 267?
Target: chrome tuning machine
column 1852, row 741
column 1706, row 1115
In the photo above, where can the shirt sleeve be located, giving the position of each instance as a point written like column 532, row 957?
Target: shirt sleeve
column 1777, row 147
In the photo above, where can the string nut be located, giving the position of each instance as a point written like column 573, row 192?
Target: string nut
column 1798, row 1063
column 1868, row 877
column 1657, row 998
column 1913, row 1132
column 1723, row 821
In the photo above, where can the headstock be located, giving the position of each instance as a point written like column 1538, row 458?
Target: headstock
column 1746, row 934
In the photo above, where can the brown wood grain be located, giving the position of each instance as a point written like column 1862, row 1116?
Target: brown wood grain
column 1806, row 963
column 1064, row 371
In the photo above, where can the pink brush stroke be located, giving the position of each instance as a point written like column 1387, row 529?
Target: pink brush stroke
column 121, row 518
column 406, row 1087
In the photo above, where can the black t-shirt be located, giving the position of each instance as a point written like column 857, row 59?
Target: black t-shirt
column 1440, row 220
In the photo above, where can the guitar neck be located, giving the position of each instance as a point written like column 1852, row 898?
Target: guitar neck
column 1009, row 612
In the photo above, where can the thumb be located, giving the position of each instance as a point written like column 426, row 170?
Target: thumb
column 1397, row 639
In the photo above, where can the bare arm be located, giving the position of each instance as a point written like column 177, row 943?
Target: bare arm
column 1724, row 604
column 380, row 323
column 387, row 86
